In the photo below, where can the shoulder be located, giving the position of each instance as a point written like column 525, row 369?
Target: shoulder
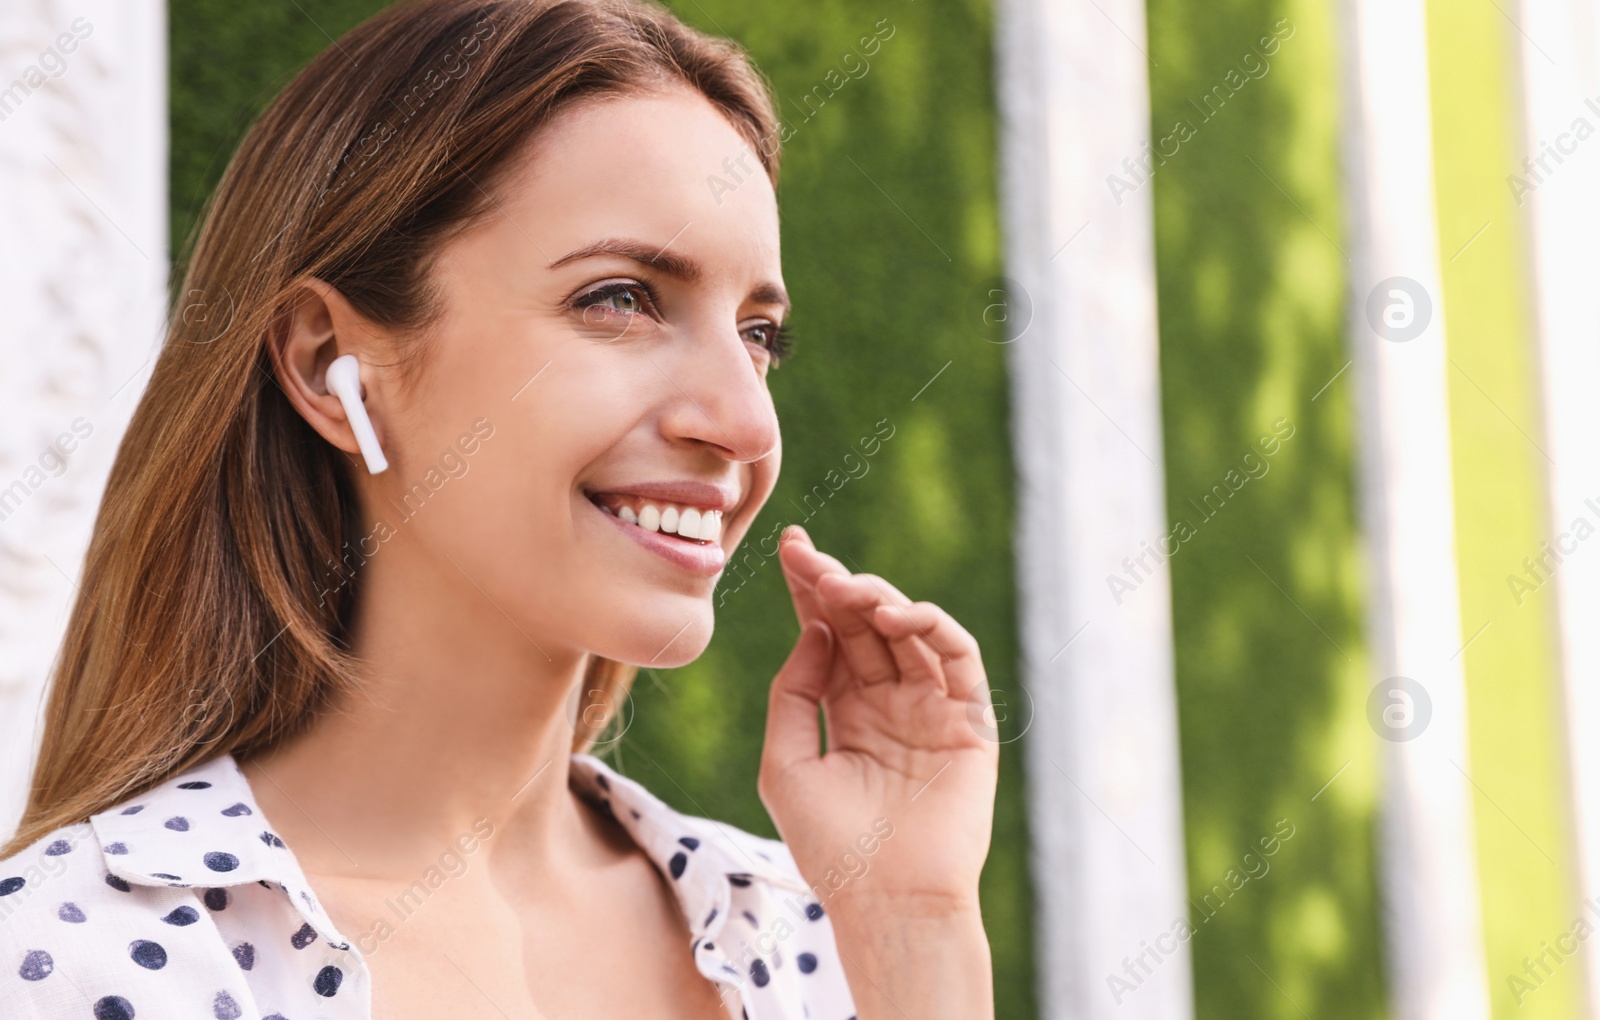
column 54, row 879
column 63, row 915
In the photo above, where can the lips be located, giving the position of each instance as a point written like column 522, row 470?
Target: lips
column 701, row 496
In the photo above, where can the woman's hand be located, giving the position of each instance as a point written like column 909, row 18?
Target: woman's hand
column 895, row 819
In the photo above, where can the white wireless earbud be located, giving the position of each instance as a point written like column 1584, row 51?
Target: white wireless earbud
column 344, row 379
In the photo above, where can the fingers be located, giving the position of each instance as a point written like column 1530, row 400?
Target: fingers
column 810, row 564
column 845, row 600
column 917, row 661
column 798, row 554
column 849, row 600
column 883, row 636
column 792, row 560
column 860, row 592
column 960, row 660
column 792, row 736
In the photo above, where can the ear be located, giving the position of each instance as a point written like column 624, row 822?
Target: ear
column 318, row 326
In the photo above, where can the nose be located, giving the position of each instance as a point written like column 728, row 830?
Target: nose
column 717, row 397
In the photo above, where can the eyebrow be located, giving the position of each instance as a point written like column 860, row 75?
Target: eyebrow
column 673, row 264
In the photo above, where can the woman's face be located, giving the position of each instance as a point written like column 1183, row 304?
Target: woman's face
column 633, row 379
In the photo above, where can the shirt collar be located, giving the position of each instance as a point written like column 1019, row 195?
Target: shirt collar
column 203, row 827
column 701, row 858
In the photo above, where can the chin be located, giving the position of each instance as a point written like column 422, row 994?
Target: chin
column 667, row 640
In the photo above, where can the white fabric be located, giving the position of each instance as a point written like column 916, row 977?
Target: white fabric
column 181, row 903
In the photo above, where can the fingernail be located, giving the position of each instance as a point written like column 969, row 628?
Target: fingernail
column 794, row 532
column 827, row 632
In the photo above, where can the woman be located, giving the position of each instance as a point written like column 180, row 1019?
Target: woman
column 317, row 743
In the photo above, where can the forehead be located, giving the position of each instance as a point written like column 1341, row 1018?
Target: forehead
column 664, row 166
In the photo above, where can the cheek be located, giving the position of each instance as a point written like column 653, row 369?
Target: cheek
column 533, row 463
column 761, row 478
column 508, row 508
column 512, row 524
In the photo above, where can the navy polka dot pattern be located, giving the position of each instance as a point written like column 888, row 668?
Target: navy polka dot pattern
column 747, row 906
column 217, row 860
column 223, row 1007
column 182, row 902
column 148, row 955
column 327, row 981
column 181, row 916
column 113, row 1007
column 36, row 966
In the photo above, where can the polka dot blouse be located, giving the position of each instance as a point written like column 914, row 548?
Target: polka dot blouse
column 182, row 904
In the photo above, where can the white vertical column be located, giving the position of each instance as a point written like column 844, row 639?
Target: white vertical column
column 83, row 271
column 1559, row 191
column 1397, row 339
column 1105, row 802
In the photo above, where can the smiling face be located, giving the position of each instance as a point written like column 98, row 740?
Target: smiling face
column 611, row 320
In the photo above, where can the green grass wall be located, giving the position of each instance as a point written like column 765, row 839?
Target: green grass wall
column 1267, row 596
column 891, row 249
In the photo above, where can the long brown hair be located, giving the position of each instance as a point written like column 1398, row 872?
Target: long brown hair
column 205, row 623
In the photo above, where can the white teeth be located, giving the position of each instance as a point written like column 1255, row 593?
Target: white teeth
column 689, row 524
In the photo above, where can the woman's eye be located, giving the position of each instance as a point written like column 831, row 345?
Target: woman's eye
column 776, row 339
column 614, row 310
column 620, row 297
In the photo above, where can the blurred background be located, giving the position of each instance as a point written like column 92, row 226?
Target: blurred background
column 1232, row 364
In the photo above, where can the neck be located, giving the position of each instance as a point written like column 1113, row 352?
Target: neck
column 461, row 717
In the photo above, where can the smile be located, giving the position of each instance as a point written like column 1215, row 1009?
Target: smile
column 687, row 522
column 680, row 522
